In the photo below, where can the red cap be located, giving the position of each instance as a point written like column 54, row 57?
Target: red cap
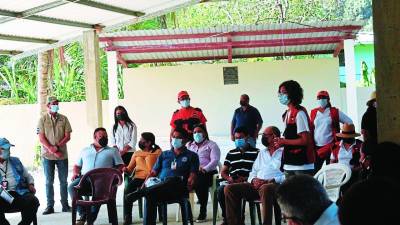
column 182, row 93
column 323, row 93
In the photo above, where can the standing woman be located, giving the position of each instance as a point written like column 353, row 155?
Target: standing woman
column 325, row 123
column 124, row 134
column 141, row 163
column 209, row 155
column 298, row 154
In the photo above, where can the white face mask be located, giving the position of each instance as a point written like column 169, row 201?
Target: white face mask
column 323, row 102
column 185, row 103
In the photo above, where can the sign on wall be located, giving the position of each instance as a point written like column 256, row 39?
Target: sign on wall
column 231, row 75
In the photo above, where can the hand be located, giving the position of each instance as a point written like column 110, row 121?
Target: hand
column 232, row 137
column 124, row 169
column 190, row 183
column 230, row 180
column 278, row 142
column 52, row 149
column 241, row 179
column 31, row 188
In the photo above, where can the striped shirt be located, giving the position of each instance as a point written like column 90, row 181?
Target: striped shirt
column 240, row 163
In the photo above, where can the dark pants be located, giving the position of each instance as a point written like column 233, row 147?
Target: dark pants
column 86, row 189
column 204, row 182
column 131, row 185
column 221, row 199
column 127, row 158
column 170, row 190
column 49, row 168
column 27, row 204
column 289, row 173
column 234, row 193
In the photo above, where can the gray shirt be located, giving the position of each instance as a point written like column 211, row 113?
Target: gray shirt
column 106, row 157
column 12, row 183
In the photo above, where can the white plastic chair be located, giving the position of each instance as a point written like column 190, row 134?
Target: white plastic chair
column 332, row 177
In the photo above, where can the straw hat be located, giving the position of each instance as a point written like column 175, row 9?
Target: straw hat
column 348, row 131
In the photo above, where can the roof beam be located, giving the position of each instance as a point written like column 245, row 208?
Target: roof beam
column 338, row 48
column 344, row 29
column 26, row 39
column 10, row 52
column 225, row 45
column 99, row 5
column 224, row 57
column 13, row 15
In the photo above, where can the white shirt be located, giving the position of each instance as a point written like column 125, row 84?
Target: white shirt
column 124, row 135
column 302, row 126
column 344, row 155
column 12, row 183
column 329, row 216
column 267, row 166
column 323, row 126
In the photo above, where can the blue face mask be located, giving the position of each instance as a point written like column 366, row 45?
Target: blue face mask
column 198, row 137
column 283, row 99
column 5, row 154
column 54, row 108
column 185, row 103
column 323, row 102
column 176, row 143
column 240, row 143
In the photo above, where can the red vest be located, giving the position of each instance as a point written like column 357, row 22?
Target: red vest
column 334, row 113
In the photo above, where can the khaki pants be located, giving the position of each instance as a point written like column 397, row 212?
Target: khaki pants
column 234, row 193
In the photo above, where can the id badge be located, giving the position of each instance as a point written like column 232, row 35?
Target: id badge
column 4, row 184
column 173, row 165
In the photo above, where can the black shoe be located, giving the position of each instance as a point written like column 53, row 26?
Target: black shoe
column 133, row 196
column 48, row 210
column 81, row 220
column 66, row 208
column 201, row 218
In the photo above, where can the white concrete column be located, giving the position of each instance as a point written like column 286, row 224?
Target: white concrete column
column 112, row 83
column 351, row 85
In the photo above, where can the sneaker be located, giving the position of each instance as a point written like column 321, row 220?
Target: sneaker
column 48, row 210
column 201, row 218
column 66, row 208
column 81, row 221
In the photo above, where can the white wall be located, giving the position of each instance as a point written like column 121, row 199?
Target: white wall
column 150, row 93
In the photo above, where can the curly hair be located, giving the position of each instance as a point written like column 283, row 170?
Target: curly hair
column 294, row 91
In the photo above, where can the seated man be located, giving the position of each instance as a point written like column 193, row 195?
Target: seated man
column 262, row 181
column 97, row 155
column 237, row 164
column 16, row 180
column 177, row 169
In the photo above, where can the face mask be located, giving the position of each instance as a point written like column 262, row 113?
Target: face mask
column 243, row 103
column 185, row 103
column 348, row 140
column 141, row 145
column 176, row 143
column 374, row 104
column 240, row 143
column 264, row 141
column 103, row 141
column 323, row 102
column 121, row 116
column 283, row 99
column 198, row 137
column 5, row 154
column 54, row 108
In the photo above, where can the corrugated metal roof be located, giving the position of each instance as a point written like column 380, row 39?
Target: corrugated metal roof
column 23, row 22
column 193, row 44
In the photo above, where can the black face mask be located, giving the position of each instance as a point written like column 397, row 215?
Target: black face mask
column 103, row 141
column 141, row 145
column 348, row 140
column 264, row 141
column 243, row 103
column 121, row 116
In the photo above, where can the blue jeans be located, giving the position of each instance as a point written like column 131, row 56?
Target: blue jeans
column 82, row 213
column 62, row 167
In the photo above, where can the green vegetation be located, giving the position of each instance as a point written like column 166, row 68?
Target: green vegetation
column 18, row 82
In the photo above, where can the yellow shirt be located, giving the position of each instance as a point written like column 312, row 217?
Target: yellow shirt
column 142, row 162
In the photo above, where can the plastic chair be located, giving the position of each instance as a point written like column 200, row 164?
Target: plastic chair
column 185, row 207
column 255, row 205
column 34, row 221
column 332, row 177
column 104, row 184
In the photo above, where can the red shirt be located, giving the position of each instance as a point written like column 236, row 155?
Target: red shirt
column 187, row 118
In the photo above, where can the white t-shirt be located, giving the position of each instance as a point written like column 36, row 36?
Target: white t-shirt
column 323, row 126
column 302, row 126
column 344, row 155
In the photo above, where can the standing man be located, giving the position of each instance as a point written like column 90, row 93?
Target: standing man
column 187, row 116
column 54, row 132
column 249, row 117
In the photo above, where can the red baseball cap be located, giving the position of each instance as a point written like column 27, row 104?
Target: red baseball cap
column 182, row 94
column 323, row 93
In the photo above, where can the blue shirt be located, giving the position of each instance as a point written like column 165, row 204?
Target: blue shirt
column 106, row 157
column 249, row 119
column 186, row 163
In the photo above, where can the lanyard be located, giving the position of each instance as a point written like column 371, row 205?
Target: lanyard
column 5, row 172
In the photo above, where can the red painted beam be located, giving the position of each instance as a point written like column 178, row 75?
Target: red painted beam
column 225, row 45
column 121, row 60
column 338, row 48
column 346, row 29
column 230, row 51
column 224, row 57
